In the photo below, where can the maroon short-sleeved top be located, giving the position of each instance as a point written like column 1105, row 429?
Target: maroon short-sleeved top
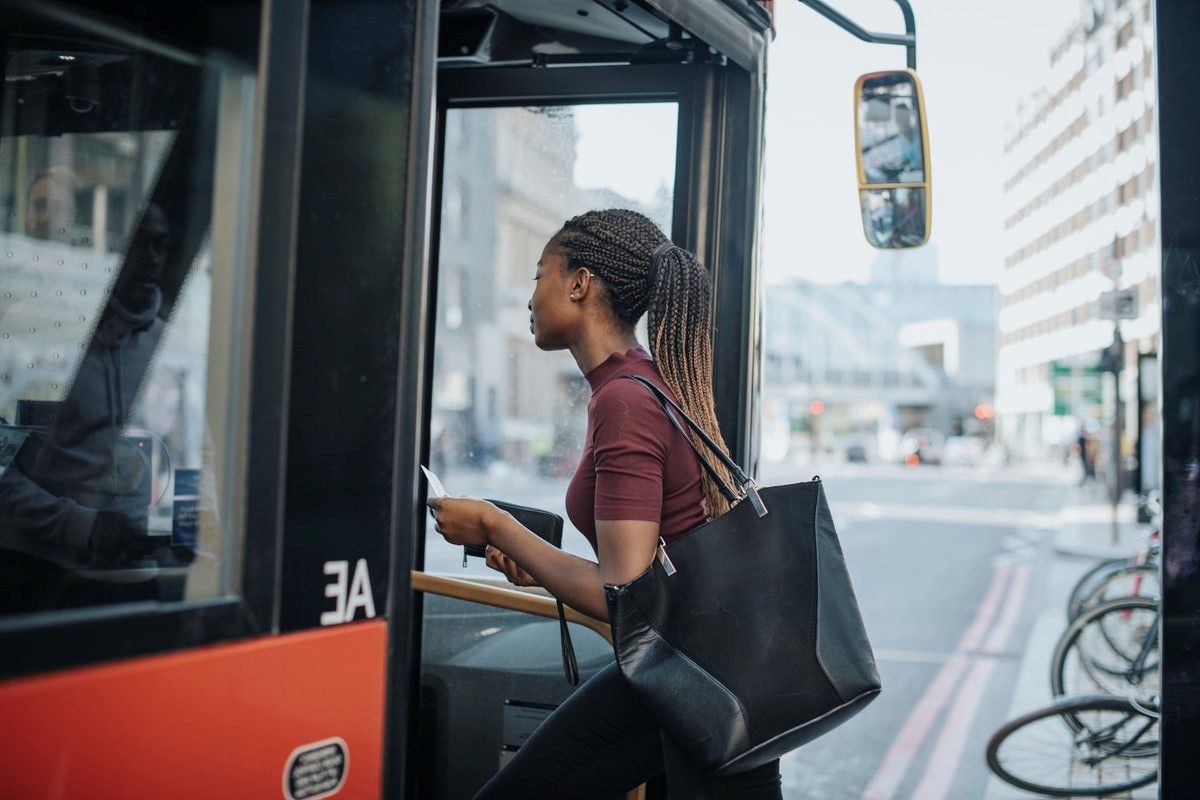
column 635, row 464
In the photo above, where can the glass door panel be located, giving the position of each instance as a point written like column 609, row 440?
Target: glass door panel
column 508, row 420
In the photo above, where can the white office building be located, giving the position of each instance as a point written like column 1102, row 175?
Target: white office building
column 1080, row 202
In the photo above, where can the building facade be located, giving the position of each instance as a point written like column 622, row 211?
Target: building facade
column 1080, row 198
column 850, row 368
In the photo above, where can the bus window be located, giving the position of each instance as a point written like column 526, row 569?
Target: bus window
column 508, row 421
column 120, row 320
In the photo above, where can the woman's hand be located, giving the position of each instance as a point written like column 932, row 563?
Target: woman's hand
column 463, row 520
column 466, row 521
column 502, row 563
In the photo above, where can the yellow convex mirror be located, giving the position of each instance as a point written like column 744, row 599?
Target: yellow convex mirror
column 892, row 155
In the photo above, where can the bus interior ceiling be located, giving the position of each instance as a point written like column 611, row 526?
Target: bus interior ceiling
column 547, row 33
column 516, row 32
column 59, row 85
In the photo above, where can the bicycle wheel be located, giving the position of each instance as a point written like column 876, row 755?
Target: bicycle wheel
column 1087, row 582
column 1114, row 750
column 1122, row 581
column 1111, row 648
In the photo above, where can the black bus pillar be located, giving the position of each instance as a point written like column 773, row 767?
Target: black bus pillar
column 1177, row 26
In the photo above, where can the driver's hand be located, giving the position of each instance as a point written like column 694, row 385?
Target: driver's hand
column 117, row 538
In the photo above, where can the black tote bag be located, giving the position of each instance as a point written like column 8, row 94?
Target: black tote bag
column 744, row 637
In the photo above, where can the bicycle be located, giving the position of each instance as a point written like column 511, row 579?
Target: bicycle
column 1118, row 577
column 1121, row 580
column 1080, row 746
column 1087, row 744
column 1111, row 648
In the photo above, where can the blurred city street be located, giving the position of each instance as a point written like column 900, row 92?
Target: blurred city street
column 963, row 575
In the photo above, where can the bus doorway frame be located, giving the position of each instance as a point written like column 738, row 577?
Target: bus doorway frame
column 715, row 213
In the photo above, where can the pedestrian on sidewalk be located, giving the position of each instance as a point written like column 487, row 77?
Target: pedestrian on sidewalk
column 1087, row 447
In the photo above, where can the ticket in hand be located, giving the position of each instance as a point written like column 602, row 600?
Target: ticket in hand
column 437, row 490
column 435, row 485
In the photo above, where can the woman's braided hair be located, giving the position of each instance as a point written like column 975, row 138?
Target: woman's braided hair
column 616, row 246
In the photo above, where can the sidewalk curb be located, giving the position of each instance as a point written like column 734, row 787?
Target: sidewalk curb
column 1065, row 545
column 1092, row 529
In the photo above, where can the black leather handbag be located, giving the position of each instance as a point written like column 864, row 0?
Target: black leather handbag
column 744, row 637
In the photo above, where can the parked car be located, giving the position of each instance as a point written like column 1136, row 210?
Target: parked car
column 922, row 446
column 856, row 449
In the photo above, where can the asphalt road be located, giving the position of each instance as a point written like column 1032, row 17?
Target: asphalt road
column 950, row 567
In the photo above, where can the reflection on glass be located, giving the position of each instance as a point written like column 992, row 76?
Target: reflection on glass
column 894, row 218
column 889, row 130
column 508, row 420
column 110, row 290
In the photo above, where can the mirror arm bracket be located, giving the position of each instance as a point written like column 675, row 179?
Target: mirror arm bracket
column 908, row 39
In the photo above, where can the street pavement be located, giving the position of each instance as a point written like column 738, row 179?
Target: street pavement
column 1086, row 530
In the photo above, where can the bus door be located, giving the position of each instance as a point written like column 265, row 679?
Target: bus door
column 540, row 118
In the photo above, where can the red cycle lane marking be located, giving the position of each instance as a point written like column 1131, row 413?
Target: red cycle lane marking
column 1007, row 622
column 899, row 757
column 944, row 760
column 916, row 727
column 972, row 638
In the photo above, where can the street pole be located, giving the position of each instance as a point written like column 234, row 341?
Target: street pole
column 1116, row 305
column 1118, row 347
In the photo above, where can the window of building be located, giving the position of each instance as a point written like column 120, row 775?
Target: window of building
column 1125, row 33
column 1125, row 85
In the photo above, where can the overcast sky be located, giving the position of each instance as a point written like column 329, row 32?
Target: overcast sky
column 975, row 59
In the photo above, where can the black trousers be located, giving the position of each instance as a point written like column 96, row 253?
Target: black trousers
column 601, row 743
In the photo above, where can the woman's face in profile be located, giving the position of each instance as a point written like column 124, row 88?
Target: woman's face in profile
column 550, row 306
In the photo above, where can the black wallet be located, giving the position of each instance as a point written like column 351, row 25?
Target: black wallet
column 545, row 524
column 548, row 526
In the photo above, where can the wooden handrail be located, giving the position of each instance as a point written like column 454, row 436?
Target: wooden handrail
column 528, row 601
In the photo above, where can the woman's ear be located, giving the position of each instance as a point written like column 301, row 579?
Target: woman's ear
column 582, row 283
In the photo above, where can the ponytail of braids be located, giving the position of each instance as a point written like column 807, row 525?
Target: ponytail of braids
column 679, row 324
column 617, row 245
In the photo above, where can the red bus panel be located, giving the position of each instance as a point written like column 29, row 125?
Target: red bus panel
column 218, row 722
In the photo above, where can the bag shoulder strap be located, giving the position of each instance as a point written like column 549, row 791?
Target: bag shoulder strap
column 570, row 665
column 749, row 489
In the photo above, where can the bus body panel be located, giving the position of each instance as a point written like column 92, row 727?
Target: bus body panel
column 221, row 721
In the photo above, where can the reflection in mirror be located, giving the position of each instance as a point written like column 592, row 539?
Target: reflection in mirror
column 889, row 129
column 895, row 218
